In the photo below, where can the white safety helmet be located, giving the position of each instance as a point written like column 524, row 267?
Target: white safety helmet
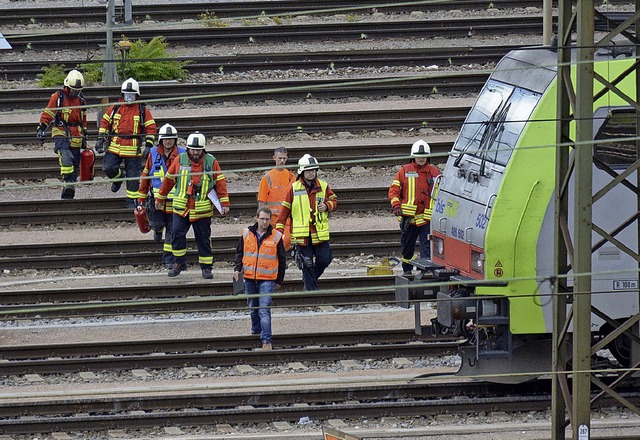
column 307, row 162
column 130, row 86
column 74, row 80
column 196, row 141
column 167, row 131
column 420, row 149
column 130, row 90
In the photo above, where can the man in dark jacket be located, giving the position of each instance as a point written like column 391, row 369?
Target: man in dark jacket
column 261, row 258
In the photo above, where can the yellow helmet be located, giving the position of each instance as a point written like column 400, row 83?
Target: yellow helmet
column 74, row 80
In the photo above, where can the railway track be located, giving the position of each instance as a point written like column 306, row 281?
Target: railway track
column 404, row 115
column 196, row 296
column 233, row 404
column 94, row 39
column 243, row 9
column 331, row 155
column 220, row 344
column 331, row 347
column 295, row 89
column 51, row 212
column 245, row 62
column 257, row 405
column 101, row 254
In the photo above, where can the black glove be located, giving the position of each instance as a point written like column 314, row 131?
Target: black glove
column 100, row 146
column 297, row 257
column 40, row 132
column 148, row 145
column 397, row 211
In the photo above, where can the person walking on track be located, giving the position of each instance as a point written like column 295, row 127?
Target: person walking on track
column 261, row 259
column 410, row 197
column 66, row 114
column 155, row 168
column 273, row 188
column 199, row 185
column 308, row 203
column 127, row 132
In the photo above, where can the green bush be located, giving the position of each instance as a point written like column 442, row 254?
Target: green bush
column 52, row 76
column 150, row 70
column 147, row 70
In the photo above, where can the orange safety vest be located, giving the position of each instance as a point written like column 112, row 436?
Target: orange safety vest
column 260, row 262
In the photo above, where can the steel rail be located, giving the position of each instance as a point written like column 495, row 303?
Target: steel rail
column 348, row 409
column 390, row 151
column 94, row 39
column 325, row 404
column 244, row 9
column 259, row 405
column 51, row 212
column 200, row 344
column 291, row 89
column 147, row 252
column 329, row 352
column 213, row 296
column 243, row 62
column 309, row 392
column 447, row 116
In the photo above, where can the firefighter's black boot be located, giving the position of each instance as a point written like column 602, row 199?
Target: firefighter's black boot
column 68, row 193
column 176, row 269
column 206, row 273
column 115, row 186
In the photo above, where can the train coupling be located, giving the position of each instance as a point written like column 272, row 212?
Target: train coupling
column 413, row 288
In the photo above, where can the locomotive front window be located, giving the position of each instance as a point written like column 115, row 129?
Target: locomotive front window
column 619, row 133
column 496, row 121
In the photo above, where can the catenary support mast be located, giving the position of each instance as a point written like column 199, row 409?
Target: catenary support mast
column 573, row 239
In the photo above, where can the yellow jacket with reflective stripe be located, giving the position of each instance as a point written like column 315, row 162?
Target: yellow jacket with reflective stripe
column 301, row 212
column 302, row 206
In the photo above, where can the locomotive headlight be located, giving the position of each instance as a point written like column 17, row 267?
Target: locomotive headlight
column 438, row 247
column 477, row 262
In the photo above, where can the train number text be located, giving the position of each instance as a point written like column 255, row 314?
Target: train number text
column 481, row 221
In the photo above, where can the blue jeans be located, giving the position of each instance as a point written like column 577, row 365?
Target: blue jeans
column 260, row 306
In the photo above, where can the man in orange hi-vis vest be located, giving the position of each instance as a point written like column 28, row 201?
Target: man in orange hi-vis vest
column 273, row 188
column 261, row 261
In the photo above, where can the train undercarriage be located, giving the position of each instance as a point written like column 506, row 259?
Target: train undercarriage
column 491, row 352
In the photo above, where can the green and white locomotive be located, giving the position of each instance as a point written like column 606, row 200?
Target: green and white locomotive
column 493, row 219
